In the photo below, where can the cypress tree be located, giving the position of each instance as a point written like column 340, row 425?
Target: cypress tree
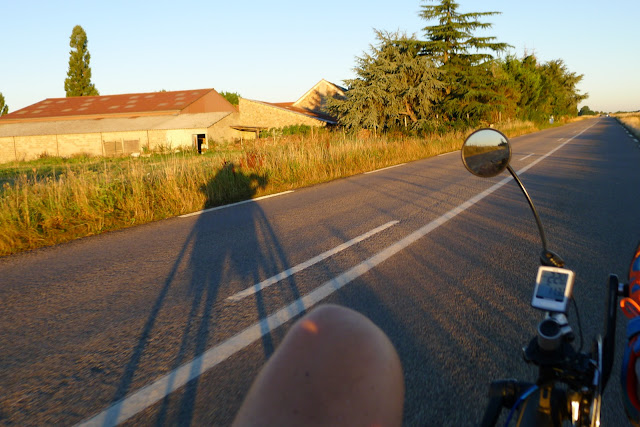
column 4, row 108
column 78, row 81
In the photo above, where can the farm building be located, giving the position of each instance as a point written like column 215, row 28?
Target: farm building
column 307, row 110
column 114, row 124
column 126, row 124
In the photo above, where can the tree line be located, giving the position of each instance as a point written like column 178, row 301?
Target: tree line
column 451, row 79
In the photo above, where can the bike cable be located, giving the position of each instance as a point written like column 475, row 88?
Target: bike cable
column 521, row 399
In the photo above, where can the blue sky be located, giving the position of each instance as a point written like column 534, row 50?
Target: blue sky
column 277, row 50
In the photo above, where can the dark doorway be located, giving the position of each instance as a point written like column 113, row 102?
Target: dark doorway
column 200, row 140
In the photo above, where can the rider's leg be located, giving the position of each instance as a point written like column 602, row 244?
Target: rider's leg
column 334, row 367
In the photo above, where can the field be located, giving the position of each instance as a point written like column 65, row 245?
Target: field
column 54, row 200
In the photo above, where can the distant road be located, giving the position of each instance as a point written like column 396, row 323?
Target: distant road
column 441, row 260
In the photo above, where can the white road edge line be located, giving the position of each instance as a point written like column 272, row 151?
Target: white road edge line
column 293, row 270
column 526, row 157
column 162, row 387
column 384, row 169
column 446, row 154
column 234, row 204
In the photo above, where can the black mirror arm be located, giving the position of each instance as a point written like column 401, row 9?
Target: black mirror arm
column 533, row 208
column 547, row 257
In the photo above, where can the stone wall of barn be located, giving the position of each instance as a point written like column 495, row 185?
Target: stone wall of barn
column 21, row 148
column 259, row 114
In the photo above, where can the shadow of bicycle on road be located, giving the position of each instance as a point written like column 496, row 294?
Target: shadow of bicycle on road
column 225, row 251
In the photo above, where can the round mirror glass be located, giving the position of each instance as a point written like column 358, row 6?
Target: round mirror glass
column 486, row 153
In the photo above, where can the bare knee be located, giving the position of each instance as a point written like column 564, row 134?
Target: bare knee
column 333, row 367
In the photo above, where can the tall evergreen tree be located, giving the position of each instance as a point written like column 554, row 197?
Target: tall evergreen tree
column 529, row 82
column 504, row 94
column 544, row 89
column 78, row 81
column 461, row 56
column 4, row 108
column 561, row 88
column 394, row 87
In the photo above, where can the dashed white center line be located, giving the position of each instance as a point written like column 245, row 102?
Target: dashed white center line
column 526, row 157
column 146, row 396
column 293, row 270
column 384, row 169
column 234, row 204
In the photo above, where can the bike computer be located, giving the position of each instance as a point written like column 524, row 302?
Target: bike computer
column 553, row 289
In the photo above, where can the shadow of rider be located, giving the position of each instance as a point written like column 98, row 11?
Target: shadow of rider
column 229, row 186
column 230, row 248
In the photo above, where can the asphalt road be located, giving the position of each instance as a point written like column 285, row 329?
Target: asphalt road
column 86, row 326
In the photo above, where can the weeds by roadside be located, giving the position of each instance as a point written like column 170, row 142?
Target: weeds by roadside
column 631, row 122
column 49, row 200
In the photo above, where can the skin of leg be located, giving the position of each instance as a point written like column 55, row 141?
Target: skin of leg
column 334, row 367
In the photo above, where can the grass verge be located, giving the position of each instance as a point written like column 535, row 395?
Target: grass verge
column 632, row 122
column 51, row 200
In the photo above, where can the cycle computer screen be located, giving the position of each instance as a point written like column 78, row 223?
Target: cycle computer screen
column 553, row 289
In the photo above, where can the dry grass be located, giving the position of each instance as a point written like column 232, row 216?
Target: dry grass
column 632, row 122
column 49, row 202
column 81, row 201
column 580, row 118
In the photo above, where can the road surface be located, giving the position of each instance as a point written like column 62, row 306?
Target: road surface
column 168, row 323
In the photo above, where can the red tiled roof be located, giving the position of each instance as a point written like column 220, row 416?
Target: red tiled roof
column 154, row 102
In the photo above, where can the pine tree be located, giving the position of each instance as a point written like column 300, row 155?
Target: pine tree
column 4, row 108
column 529, row 82
column 463, row 58
column 561, row 88
column 78, row 81
column 394, row 88
column 544, row 89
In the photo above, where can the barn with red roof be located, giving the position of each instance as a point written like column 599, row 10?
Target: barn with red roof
column 127, row 124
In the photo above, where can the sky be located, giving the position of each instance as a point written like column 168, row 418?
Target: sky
column 276, row 50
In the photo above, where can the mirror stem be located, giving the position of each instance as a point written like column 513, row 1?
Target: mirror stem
column 533, row 208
